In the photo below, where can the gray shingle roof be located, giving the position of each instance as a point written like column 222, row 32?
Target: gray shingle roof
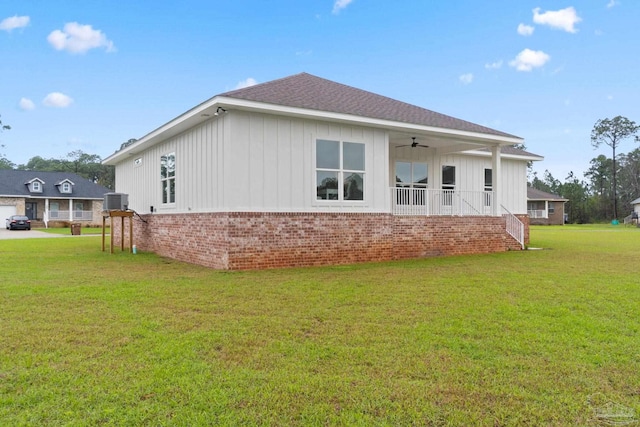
column 12, row 183
column 535, row 194
column 310, row 92
column 510, row 149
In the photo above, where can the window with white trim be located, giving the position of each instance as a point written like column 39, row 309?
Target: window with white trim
column 65, row 187
column 448, row 184
column 411, row 174
column 168, row 177
column 339, row 165
column 78, row 207
column 552, row 208
column 488, row 186
column 36, row 187
column 54, row 209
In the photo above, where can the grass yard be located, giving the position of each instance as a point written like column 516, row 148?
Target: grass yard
column 67, row 230
column 543, row 337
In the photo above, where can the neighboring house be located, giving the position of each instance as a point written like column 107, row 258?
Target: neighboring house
column 305, row 171
column 545, row 208
column 635, row 213
column 50, row 197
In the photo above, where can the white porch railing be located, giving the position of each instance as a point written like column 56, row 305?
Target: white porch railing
column 76, row 215
column 515, row 227
column 423, row 201
column 537, row 213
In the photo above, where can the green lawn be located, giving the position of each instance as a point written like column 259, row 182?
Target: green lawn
column 67, row 230
column 542, row 337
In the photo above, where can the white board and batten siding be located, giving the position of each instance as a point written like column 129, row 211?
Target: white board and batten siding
column 469, row 173
column 470, row 177
column 251, row 162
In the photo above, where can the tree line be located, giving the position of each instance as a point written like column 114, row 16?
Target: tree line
column 610, row 184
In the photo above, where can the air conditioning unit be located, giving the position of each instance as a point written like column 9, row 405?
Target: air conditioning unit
column 115, row 202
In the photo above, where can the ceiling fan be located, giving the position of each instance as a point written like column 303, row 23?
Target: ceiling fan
column 413, row 144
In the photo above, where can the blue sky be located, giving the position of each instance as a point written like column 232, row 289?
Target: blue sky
column 91, row 75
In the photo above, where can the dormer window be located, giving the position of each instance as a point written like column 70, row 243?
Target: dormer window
column 65, row 186
column 35, row 185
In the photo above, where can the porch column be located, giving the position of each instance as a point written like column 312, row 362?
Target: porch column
column 546, row 209
column 496, row 167
column 71, row 210
column 45, row 217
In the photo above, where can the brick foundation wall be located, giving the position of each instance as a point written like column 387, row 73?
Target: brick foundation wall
column 243, row 240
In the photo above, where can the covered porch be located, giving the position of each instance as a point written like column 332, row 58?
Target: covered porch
column 47, row 210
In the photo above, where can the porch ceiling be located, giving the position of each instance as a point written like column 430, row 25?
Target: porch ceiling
column 441, row 143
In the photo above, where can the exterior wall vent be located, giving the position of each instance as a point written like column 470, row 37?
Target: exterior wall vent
column 115, row 202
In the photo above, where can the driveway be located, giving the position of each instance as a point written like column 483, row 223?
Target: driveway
column 27, row 234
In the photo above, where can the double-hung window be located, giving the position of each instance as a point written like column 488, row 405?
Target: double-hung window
column 340, row 170
column 168, row 177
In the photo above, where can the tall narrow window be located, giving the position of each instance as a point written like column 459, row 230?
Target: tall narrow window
column 78, row 208
column 448, row 184
column 339, row 166
column 488, row 186
column 411, row 175
column 168, row 177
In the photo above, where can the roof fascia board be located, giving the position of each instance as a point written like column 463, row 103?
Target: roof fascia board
column 505, row 156
column 194, row 116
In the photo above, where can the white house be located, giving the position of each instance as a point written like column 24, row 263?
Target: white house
column 306, row 171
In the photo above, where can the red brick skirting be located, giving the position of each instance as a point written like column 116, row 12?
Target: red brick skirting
column 243, row 240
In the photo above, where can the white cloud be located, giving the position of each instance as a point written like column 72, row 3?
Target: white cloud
column 525, row 30
column 529, row 59
column 598, row 33
column 563, row 19
column 466, row 78
column 610, row 97
column 612, row 3
column 26, row 104
column 13, row 22
column 339, row 5
column 76, row 38
column 246, row 83
column 494, row 65
column 57, row 100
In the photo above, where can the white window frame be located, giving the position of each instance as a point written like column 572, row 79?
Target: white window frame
column 36, row 187
column 488, row 187
column 448, row 189
column 77, row 213
column 65, row 188
column 341, row 171
column 167, row 181
column 411, row 184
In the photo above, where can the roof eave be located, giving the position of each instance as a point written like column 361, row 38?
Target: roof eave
column 207, row 110
column 527, row 157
